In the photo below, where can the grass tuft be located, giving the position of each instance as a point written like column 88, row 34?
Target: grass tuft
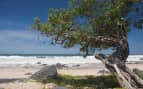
column 80, row 82
column 85, row 82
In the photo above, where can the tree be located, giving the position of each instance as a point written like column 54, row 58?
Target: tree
column 95, row 24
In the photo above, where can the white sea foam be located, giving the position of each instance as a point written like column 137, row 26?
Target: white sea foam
column 31, row 60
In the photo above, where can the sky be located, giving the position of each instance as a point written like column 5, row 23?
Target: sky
column 17, row 37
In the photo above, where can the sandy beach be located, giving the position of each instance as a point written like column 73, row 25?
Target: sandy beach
column 18, row 77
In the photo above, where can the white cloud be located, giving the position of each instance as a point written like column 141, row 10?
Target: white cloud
column 26, row 41
column 21, row 34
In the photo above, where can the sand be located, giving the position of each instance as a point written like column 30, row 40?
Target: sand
column 18, row 77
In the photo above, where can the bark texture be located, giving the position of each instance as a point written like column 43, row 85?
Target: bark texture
column 116, row 64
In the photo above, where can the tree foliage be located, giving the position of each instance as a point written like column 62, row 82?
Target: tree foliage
column 84, row 20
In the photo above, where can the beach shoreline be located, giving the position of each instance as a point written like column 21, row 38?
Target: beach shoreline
column 69, row 69
column 13, row 77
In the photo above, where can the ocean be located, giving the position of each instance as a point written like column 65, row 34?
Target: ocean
column 7, row 60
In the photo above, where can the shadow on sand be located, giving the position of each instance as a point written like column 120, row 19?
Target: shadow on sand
column 11, row 80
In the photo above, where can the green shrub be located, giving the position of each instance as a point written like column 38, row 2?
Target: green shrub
column 90, row 82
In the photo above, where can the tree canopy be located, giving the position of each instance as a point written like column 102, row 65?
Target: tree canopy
column 83, row 20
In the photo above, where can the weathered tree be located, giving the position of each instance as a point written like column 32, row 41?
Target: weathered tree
column 95, row 24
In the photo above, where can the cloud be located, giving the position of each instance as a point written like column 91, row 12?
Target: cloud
column 20, row 34
column 27, row 41
column 10, row 24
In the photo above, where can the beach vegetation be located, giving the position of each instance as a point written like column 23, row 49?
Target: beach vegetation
column 88, row 82
column 80, row 82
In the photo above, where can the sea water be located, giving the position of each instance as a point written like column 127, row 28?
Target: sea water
column 31, row 60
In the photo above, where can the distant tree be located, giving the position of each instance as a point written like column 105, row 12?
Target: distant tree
column 95, row 24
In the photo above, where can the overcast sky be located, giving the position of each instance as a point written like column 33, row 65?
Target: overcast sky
column 16, row 36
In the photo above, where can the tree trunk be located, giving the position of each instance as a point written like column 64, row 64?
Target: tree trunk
column 115, row 63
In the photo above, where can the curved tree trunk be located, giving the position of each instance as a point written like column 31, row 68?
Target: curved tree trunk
column 115, row 63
